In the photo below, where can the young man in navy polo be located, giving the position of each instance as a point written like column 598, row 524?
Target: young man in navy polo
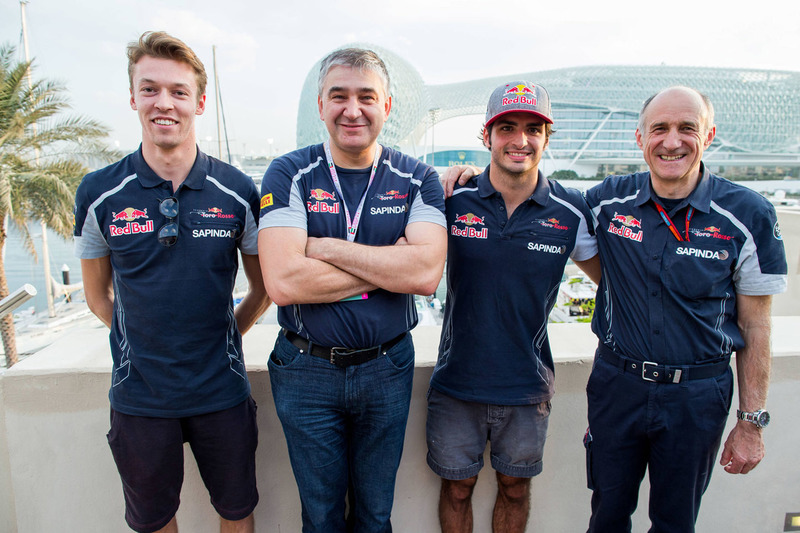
column 159, row 234
column 349, row 231
column 690, row 262
column 511, row 231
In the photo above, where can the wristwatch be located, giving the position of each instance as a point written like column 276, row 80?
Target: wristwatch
column 760, row 418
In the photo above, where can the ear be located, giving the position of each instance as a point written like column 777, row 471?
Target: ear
column 201, row 105
column 133, row 102
column 487, row 141
column 709, row 136
column 319, row 105
column 388, row 106
column 639, row 139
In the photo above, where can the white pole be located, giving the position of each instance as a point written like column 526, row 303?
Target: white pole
column 48, row 285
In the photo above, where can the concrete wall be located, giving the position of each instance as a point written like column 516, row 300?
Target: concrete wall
column 788, row 303
column 57, row 474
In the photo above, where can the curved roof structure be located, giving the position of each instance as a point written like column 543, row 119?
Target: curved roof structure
column 596, row 108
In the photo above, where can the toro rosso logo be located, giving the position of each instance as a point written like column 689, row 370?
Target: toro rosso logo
column 129, row 215
column 470, row 219
column 394, row 194
column 628, row 222
column 213, row 212
column 551, row 222
column 318, row 202
column 519, row 94
column 710, row 231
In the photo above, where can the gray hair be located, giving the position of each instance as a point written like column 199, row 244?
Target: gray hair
column 358, row 58
column 706, row 102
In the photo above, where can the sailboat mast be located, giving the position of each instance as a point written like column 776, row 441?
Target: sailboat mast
column 48, row 284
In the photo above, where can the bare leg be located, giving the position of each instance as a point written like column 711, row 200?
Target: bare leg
column 455, row 505
column 245, row 525
column 513, row 504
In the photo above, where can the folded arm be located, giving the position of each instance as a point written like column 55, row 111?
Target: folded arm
column 413, row 265
column 293, row 278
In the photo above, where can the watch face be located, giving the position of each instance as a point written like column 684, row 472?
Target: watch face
column 763, row 419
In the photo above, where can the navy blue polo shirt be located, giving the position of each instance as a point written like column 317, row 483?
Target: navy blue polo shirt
column 298, row 191
column 674, row 302
column 503, row 276
column 175, row 346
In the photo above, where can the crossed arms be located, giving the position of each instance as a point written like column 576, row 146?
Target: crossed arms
column 301, row 269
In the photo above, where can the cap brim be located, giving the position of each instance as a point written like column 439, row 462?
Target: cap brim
column 540, row 115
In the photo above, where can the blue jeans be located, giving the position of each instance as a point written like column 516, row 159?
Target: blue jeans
column 345, row 429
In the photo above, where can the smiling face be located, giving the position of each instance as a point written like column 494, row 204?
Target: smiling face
column 517, row 142
column 164, row 92
column 673, row 137
column 354, row 106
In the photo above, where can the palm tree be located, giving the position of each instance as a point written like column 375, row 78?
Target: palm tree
column 42, row 159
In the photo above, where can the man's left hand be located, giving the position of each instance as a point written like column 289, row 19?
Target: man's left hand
column 743, row 450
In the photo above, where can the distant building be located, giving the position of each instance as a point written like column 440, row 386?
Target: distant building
column 596, row 110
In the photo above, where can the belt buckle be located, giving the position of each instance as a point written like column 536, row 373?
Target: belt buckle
column 644, row 371
column 338, row 351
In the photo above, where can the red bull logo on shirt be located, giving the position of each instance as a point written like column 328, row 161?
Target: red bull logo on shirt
column 521, row 95
column 321, row 204
column 469, row 220
column 129, row 215
column 213, row 212
column 628, row 222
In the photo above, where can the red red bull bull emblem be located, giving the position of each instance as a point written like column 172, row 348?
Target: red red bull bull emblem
column 130, row 215
column 522, row 95
column 214, row 212
column 628, row 222
column 321, row 205
column 469, row 220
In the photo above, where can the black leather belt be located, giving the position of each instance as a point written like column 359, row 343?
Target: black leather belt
column 649, row 371
column 341, row 357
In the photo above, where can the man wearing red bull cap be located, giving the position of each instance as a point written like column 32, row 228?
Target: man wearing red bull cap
column 349, row 231
column 494, row 377
column 151, row 231
column 690, row 262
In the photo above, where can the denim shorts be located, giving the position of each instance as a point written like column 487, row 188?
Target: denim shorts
column 149, row 456
column 457, row 432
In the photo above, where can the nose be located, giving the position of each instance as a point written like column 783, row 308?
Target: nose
column 521, row 139
column 164, row 101
column 672, row 140
column 351, row 109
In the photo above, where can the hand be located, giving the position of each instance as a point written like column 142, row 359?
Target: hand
column 743, row 450
column 459, row 173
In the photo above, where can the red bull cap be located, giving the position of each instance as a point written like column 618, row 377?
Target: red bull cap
column 519, row 96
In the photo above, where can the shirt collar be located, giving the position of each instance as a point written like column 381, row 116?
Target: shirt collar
column 540, row 195
column 149, row 179
column 699, row 198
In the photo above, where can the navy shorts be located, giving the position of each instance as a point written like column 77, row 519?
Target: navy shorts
column 149, row 456
column 457, row 432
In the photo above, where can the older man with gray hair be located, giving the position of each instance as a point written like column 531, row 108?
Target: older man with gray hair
column 353, row 230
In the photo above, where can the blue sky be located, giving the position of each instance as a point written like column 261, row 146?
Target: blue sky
column 265, row 49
